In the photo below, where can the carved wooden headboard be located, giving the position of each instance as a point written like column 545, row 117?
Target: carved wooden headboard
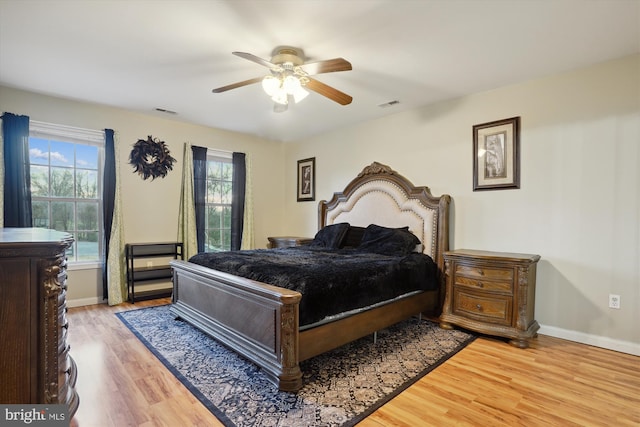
column 379, row 195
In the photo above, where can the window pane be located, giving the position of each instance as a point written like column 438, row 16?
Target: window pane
column 87, row 216
column 226, row 240
column 62, row 154
column 39, row 181
column 40, row 212
column 226, row 217
column 214, row 217
column 86, row 156
column 87, row 244
column 213, row 192
column 62, row 216
column 227, row 171
column 226, row 193
column 213, row 170
column 38, row 151
column 86, row 184
column 212, row 241
column 61, row 182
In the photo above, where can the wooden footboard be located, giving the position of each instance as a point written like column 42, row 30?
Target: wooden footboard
column 257, row 320
column 260, row 321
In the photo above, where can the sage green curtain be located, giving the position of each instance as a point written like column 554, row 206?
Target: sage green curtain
column 187, row 233
column 115, row 263
column 247, row 230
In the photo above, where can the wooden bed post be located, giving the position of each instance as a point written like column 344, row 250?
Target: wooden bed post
column 291, row 377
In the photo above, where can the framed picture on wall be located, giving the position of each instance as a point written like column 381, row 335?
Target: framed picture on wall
column 307, row 180
column 496, row 155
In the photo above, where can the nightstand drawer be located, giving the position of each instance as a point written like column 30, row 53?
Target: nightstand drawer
column 489, row 273
column 487, row 285
column 494, row 309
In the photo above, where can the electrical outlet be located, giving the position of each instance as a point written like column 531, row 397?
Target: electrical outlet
column 614, row 301
column 149, row 263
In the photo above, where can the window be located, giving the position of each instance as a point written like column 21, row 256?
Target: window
column 218, row 202
column 66, row 185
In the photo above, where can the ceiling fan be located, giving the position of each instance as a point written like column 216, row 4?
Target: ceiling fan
column 290, row 76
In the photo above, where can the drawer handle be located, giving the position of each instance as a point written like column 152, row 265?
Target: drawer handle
column 478, row 306
column 480, row 284
column 481, row 272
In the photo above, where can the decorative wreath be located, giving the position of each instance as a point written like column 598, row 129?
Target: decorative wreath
column 151, row 158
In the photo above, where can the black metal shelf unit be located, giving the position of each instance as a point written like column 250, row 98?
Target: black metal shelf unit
column 137, row 273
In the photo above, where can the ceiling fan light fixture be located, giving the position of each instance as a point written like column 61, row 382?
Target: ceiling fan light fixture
column 300, row 94
column 289, row 77
column 284, row 88
column 291, row 84
column 280, row 97
column 271, row 85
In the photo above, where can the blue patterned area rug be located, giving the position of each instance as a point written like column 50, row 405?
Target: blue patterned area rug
column 341, row 387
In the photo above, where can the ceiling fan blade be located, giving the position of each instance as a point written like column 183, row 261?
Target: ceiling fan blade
column 327, row 66
column 331, row 93
column 237, row 85
column 255, row 59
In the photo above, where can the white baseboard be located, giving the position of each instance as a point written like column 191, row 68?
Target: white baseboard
column 594, row 340
column 85, row 301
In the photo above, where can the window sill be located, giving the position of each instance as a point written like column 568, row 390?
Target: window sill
column 92, row 265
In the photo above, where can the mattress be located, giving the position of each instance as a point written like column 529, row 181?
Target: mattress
column 331, row 281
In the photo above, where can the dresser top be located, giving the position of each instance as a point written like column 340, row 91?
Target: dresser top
column 506, row 256
column 44, row 236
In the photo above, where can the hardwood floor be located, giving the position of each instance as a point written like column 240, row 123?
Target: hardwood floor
column 489, row 383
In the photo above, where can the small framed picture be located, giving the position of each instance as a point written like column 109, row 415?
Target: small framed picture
column 307, row 180
column 496, row 155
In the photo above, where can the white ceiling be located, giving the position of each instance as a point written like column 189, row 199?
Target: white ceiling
column 143, row 54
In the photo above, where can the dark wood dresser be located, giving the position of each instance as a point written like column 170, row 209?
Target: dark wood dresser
column 35, row 365
column 492, row 293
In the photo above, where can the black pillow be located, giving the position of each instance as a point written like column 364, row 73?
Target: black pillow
column 388, row 241
column 353, row 237
column 331, row 236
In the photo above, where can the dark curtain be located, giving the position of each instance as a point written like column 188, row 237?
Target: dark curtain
column 237, row 199
column 199, row 191
column 108, row 201
column 17, row 175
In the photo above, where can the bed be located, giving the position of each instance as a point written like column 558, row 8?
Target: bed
column 261, row 321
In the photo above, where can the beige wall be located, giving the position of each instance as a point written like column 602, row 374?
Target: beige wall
column 150, row 208
column 579, row 201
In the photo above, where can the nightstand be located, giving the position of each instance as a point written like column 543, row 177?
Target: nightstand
column 288, row 241
column 492, row 293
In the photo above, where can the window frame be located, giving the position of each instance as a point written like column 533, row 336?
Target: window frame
column 79, row 136
column 220, row 157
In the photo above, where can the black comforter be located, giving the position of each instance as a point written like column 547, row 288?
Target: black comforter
column 330, row 281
